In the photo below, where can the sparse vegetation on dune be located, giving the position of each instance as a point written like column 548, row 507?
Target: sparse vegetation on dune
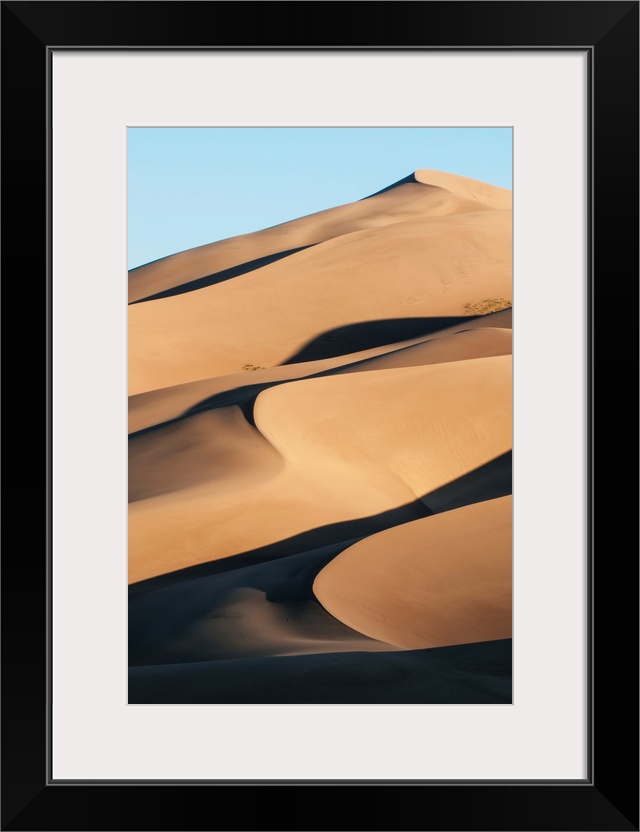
column 485, row 307
column 251, row 367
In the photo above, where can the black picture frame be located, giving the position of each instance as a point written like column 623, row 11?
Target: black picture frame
column 608, row 798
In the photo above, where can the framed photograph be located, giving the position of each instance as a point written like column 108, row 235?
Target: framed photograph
column 505, row 707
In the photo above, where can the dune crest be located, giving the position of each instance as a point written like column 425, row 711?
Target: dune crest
column 402, row 199
column 474, row 189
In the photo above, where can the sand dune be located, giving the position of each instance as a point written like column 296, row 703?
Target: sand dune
column 430, row 583
column 443, row 194
column 158, row 406
column 326, row 450
column 320, row 457
column 422, row 271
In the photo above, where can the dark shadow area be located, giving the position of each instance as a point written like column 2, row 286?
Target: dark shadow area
column 162, row 619
column 221, row 276
column 411, row 179
column 243, row 397
column 467, row 674
column 487, row 482
column 370, row 334
column 347, row 530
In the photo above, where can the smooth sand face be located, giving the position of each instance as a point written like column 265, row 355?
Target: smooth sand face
column 319, row 457
column 430, row 583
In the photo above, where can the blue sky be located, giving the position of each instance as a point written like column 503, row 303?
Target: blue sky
column 191, row 186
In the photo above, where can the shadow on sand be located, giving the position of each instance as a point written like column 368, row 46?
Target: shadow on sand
column 487, row 482
column 370, row 334
column 463, row 674
column 162, row 608
column 245, row 396
column 221, row 276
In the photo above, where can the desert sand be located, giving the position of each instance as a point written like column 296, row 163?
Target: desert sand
column 320, row 457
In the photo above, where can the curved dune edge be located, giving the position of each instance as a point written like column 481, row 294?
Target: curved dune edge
column 424, row 426
column 264, row 609
column 434, row 582
column 216, row 446
column 353, row 447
